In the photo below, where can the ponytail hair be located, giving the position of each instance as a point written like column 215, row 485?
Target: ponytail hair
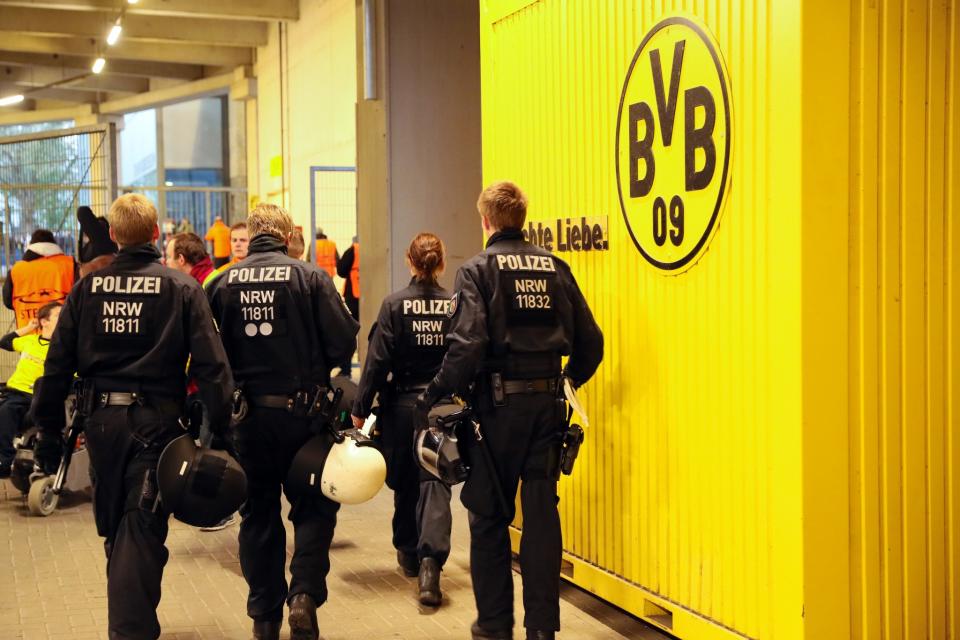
column 426, row 256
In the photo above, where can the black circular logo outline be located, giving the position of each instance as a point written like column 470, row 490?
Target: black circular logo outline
column 708, row 232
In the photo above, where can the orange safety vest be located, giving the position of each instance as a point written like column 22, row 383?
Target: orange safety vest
column 219, row 235
column 327, row 256
column 37, row 282
column 355, row 271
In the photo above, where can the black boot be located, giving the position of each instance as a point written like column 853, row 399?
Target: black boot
column 266, row 630
column 533, row 634
column 303, row 618
column 408, row 564
column 429, row 583
column 479, row 633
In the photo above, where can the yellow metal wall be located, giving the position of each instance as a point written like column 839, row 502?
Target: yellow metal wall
column 904, row 350
column 774, row 450
column 689, row 485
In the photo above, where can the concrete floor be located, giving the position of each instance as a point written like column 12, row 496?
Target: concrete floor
column 52, row 583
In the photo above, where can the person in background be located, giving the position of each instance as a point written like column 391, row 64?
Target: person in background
column 15, row 399
column 44, row 275
column 186, row 253
column 184, row 226
column 407, row 343
column 297, row 244
column 219, row 235
column 239, row 241
column 326, row 253
column 348, row 268
column 96, row 250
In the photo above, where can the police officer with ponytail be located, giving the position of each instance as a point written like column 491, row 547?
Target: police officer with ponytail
column 405, row 352
column 517, row 311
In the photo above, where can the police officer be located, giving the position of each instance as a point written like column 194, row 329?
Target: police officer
column 407, row 344
column 517, row 309
column 284, row 326
column 127, row 330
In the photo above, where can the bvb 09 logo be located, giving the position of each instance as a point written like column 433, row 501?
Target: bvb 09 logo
column 673, row 143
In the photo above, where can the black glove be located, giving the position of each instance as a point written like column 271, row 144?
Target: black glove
column 47, row 452
column 421, row 410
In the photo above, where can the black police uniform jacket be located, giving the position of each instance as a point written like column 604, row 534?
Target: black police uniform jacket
column 407, row 342
column 131, row 327
column 516, row 309
column 282, row 320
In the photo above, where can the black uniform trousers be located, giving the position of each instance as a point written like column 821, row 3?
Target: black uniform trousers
column 13, row 407
column 421, row 502
column 522, row 438
column 266, row 443
column 124, row 444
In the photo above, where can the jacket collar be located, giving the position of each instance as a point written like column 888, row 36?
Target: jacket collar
column 138, row 253
column 45, row 249
column 505, row 234
column 265, row 242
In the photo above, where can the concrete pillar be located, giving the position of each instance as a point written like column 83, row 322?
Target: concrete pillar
column 418, row 141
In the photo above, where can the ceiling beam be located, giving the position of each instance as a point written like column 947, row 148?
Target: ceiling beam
column 82, row 79
column 218, row 85
column 51, row 93
column 96, row 24
column 129, row 50
column 265, row 10
column 140, row 69
column 44, row 115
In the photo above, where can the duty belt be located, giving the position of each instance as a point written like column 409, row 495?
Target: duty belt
column 500, row 388
column 127, row 398
column 542, row 385
column 301, row 403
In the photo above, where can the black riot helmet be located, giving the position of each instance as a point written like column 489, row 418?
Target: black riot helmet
column 436, row 447
column 199, row 486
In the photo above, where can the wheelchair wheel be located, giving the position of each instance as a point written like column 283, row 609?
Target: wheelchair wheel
column 41, row 500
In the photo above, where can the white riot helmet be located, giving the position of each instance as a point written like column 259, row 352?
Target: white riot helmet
column 347, row 468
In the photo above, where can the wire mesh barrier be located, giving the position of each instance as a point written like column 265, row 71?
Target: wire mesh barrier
column 44, row 177
column 333, row 205
column 194, row 208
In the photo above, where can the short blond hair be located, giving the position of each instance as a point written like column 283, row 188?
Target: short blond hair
column 133, row 219
column 503, row 205
column 271, row 220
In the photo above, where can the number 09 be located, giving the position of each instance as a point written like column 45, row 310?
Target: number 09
column 660, row 221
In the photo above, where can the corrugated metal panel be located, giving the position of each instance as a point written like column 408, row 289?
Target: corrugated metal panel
column 729, row 479
column 688, row 486
column 904, row 419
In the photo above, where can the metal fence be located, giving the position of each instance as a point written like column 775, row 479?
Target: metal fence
column 198, row 206
column 45, row 176
column 333, row 206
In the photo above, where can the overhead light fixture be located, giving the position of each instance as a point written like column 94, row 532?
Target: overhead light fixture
column 132, row 1
column 98, row 65
column 114, row 36
column 11, row 100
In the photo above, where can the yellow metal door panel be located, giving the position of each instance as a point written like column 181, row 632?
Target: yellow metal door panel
column 701, row 369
